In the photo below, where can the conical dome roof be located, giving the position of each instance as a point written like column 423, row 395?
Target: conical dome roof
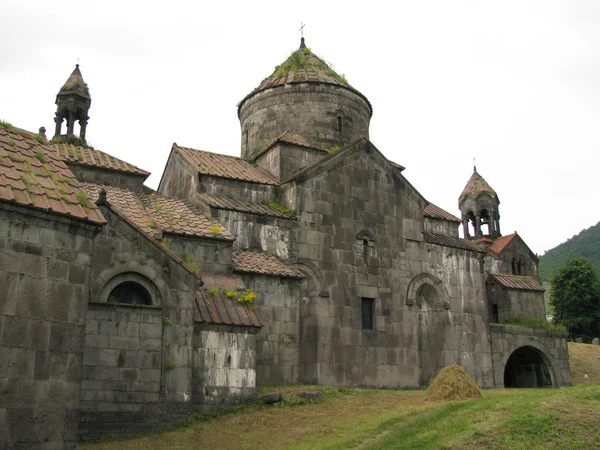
column 475, row 186
column 303, row 66
column 75, row 84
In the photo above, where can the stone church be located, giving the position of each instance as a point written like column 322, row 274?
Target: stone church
column 308, row 259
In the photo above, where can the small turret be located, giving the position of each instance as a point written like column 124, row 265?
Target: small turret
column 73, row 103
column 479, row 205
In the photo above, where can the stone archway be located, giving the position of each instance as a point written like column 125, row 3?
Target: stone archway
column 434, row 321
column 528, row 367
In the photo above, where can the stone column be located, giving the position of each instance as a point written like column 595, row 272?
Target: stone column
column 58, row 120
column 492, row 223
column 498, row 223
column 465, row 223
column 83, row 125
column 477, row 225
column 70, row 124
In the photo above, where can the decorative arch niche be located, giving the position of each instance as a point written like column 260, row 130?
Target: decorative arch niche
column 429, row 288
column 130, row 288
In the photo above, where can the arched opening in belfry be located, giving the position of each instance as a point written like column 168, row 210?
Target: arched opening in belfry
column 486, row 227
column 527, row 367
column 471, row 223
column 433, row 319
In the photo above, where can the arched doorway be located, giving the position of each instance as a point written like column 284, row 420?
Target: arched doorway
column 433, row 319
column 527, row 367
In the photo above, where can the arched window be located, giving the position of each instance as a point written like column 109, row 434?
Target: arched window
column 365, row 247
column 339, row 123
column 515, row 267
column 130, row 293
column 520, row 267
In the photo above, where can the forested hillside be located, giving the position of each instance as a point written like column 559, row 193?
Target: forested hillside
column 586, row 244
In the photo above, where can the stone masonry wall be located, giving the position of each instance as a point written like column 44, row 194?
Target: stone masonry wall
column 357, row 191
column 44, row 274
column 513, row 304
column 224, row 361
column 240, row 190
column 284, row 160
column 278, row 341
column 503, row 264
column 553, row 344
column 108, row 177
column 268, row 234
column 439, row 226
column 310, row 110
column 122, row 369
column 138, row 365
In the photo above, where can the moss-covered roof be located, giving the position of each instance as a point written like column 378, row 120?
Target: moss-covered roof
column 475, row 186
column 303, row 66
column 75, row 84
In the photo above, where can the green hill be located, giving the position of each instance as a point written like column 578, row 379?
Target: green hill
column 586, row 244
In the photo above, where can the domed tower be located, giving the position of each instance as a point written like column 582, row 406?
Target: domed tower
column 73, row 103
column 305, row 97
column 478, row 205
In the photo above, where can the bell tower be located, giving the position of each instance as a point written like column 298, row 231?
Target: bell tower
column 479, row 207
column 72, row 104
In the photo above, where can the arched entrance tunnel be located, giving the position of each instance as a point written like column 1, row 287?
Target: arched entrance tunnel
column 527, row 367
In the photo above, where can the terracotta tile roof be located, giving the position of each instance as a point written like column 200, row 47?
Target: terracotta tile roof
column 293, row 138
column 221, row 202
column 31, row 175
column 517, row 282
column 436, row 212
column 175, row 216
column 215, row 308
column 500, row 243
column 73, row 154
column 224, row 166
column 448, row 241
column 475, row 186
column 261, row 263
column 154, row 214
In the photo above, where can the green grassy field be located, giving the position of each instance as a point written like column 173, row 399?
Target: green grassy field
column 566, row 418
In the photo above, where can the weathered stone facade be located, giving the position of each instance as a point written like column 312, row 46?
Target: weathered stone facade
column 45, row 271
column 312, row 259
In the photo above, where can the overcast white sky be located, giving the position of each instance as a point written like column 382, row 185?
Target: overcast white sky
column 514, row 83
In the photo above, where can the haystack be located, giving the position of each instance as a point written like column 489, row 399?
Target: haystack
column 453, row 383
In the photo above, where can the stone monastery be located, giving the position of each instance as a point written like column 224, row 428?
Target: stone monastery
column 309, row 259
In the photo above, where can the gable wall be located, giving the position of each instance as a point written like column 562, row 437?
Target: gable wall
column 361, row 193
column 140, row 365
column 503, row 264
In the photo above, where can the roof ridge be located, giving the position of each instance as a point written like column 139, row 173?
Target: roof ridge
column 231, row 167
column 123, row 166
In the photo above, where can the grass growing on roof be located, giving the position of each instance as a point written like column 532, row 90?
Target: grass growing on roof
column 7, row 125
column 83, row 200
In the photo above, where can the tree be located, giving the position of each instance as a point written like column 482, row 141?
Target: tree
column 575, row 297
